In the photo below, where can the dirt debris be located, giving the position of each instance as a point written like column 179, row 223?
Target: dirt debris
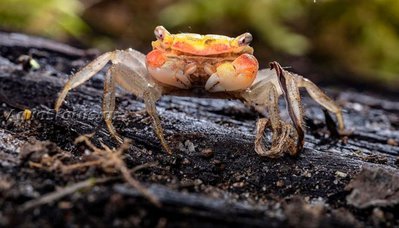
column 46, row 155
column 207, row 153
column 392, row 142
column 374, row 187
column 301, row 214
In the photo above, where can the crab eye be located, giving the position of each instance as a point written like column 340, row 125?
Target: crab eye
column 244, row 39
column 160, row 32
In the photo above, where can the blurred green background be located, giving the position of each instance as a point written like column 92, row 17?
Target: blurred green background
column 344, row 42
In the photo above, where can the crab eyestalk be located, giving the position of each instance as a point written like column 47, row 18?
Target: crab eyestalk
column 164, row 38
column 241, row 43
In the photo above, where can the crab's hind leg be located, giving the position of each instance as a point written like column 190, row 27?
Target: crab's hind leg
column 83, row 75
column 322, row 99
column 293, row 100
column 281, row 140
column 290, row 84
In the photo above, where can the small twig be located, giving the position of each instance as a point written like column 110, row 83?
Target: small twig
column 113, row 158
column 109, row 160
column 67, row 168
column 144, row 166
column 137, row 185
column 53, row 196
column 126, row 173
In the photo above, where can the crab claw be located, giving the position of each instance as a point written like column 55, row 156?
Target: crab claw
column 233, row 76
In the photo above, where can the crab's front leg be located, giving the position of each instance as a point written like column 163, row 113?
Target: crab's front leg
column 88, row 72
column 233, row 76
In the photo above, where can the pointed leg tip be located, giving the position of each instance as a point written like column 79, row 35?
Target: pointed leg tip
column 57, row 106
column 345, row 132
column 169, row 151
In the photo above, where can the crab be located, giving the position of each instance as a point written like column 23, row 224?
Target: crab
column 216, row 66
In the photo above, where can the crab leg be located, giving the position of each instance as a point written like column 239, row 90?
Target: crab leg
column 83, row 75
column 128, row 71
column 109, row 103
column 293, row 100
column 150, row 100
column 132, row 79
column 280, row 131
column 322, row 99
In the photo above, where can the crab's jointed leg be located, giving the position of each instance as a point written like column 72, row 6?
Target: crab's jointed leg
column 109, row 103
column 321, row 98
column 281, row 139
column 128, row 70
column 291, row 82
column 142, row 87
column 131, row 75
column 83, row 75
column 264, row 93
column 293, row 101
column 150, row 100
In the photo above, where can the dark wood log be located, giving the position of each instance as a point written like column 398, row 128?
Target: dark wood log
column 214, row 177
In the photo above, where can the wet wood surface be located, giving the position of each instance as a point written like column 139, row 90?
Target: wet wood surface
column 214, row 177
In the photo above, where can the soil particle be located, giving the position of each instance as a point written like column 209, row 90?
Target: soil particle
column 374, row 187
